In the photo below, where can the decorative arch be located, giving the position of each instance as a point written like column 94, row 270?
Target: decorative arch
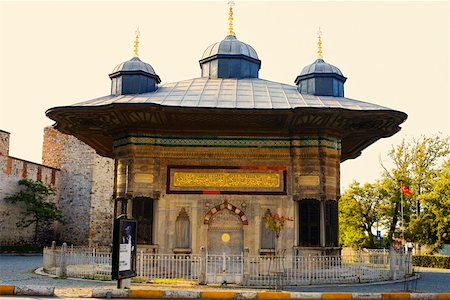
column 183, row 230
column 230, row 207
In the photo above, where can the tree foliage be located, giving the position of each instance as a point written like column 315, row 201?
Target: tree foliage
column 415, row 164
column 37, row 210
column 418, row 164
column 432, row 226
column 358, row 214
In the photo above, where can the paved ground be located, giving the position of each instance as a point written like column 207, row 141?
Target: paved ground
column 18, row 270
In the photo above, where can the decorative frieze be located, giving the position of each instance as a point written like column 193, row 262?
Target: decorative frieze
column 229, row 142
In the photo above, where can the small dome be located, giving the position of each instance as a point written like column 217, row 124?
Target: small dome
column 133, row 77
column 230, row 45
column 134, row 64
column 321, row 79
column 320, row 67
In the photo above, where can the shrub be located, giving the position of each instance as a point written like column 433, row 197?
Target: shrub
column 431, row 261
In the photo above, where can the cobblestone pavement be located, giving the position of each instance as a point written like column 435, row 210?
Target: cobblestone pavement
column 17, row 270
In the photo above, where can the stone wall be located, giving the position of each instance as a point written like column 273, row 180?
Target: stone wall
column 86, row 188
column 11, row 171
column 102, row 204
column 52, row 147
column 83, row 182
column 4, row 143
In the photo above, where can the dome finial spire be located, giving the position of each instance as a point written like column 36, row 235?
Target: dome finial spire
column 319, row 44
column 230, row 19
column 136, row 42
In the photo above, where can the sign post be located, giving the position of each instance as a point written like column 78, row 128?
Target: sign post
column 124, row 247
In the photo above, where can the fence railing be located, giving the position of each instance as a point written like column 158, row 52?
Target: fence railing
column 350, row 267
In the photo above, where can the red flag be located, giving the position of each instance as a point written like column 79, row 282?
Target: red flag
column 405, row 190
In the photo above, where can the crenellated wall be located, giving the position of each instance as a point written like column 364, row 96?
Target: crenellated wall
column 83, row 182
column 11, row 171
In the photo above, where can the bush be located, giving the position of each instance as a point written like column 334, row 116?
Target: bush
column 431, row 261
column 20, row 249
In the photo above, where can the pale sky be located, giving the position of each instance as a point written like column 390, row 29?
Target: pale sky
column 394, row 54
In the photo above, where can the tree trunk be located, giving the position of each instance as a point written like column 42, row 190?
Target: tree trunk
column 394, row 222
column 36, row 227
column 371, row 239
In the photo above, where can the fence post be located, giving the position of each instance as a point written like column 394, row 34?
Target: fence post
column 53, row 255
column 94, row 263
column 63, row 261
column 401, row 268
column 140, row 271
column 202, row 277
column 246, row 269
column 392, row 266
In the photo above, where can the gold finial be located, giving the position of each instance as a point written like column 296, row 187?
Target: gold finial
column 319, row 44
column 230, row 18
column 136, row 42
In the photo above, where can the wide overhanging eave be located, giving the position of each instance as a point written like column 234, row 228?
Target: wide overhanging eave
column 96, row 125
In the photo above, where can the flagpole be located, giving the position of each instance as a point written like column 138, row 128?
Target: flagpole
column 401, row 205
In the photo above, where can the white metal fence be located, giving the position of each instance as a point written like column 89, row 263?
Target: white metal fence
column 350, row 267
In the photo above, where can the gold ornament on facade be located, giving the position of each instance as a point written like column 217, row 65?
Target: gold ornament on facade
column 226, row 180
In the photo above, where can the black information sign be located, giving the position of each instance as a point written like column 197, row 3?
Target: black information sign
column 124, row 249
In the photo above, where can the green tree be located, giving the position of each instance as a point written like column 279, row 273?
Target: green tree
column 415, row 164
column 37, row 211
column 359, row 213
column 432, row 226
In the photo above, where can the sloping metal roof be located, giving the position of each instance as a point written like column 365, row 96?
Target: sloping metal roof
column 252, row 93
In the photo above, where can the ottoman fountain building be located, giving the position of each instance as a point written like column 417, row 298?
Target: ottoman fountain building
column 202, row 160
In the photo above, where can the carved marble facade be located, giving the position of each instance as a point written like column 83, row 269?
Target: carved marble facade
column 212, row 192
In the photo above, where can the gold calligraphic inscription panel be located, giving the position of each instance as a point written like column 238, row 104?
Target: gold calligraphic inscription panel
column 249, row 180
column 226, row 179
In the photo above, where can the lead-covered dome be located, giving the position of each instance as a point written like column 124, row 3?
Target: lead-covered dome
column 320, row 66
column 321, row 79
column 133, row 77
column 230, row 45
column 230, row 58
column 134, row 65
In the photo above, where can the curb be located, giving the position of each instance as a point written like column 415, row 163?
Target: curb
column 7, row 289
column 217, row 294
column 241, row 295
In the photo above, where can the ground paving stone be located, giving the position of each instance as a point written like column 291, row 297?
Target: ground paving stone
column 18, row 270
